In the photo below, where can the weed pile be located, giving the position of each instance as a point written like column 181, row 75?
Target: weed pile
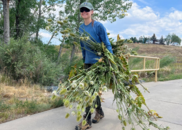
column 110, row 72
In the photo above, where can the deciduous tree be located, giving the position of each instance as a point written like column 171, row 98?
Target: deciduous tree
column 175, row 38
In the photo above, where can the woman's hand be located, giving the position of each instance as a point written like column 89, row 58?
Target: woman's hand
column 100, row 60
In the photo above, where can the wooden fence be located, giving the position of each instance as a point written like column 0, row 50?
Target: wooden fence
column 157, row 64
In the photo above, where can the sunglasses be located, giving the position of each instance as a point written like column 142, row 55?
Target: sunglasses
column 84, row 9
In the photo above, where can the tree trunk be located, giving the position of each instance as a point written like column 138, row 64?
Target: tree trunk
column 6, row 21
column 78, row 25
column 17, row 35
column 60, row 50
column 72, row 53
column 38, row 22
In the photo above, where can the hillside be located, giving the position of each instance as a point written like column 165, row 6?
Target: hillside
column 158, row 50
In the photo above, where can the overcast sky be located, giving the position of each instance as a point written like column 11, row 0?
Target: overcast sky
column 144, row 19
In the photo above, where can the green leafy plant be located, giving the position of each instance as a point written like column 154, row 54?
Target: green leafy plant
column 110, row 72
column 20, row 59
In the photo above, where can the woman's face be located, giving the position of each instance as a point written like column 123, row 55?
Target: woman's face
column 85, row 14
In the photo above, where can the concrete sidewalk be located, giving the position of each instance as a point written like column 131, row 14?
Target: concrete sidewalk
column 164, row 97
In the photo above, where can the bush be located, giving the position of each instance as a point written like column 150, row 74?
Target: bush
column 20, row 59
column 167, row 60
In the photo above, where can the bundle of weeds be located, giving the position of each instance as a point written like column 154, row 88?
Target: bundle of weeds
column 110, row 72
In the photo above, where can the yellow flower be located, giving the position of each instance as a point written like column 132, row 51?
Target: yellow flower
column 78, row 107
column 119, row 117
column 59, row 22
column 62, row 32
column 79, row 113
column 78, row 118
column 71, row 106
column 72, row 34
column 83, row 109
column 63, row 91
column 66, row 103
column 95, row 94
column 124, row 122
column 93, row 97
column 66, row 31
column 67, row 115
column 92, row 110
column 77, row 99
column 53, row 97
column 75, row 43
column 49, row 20
column 84, row 122
column 65, row 21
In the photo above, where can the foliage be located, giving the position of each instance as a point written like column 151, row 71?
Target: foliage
column 110, row 72
column 162, row 40
column 168, row 39
column 49, row 51
column 145, row 39
column 27, row 17
column 20, row 59
column 153, row 38
column 175, row 38
column 134, row 39
column 167, row 60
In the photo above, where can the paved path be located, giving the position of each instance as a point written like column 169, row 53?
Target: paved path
column 164, row 97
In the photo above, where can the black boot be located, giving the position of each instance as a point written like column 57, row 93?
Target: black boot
column 99, row 114
column 87, row 126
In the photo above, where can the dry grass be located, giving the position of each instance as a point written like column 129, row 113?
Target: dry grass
column 22, row 100
column 22, row 92
column 158, row 50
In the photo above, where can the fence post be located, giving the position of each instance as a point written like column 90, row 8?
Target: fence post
column 144, row 63
column 156, row 65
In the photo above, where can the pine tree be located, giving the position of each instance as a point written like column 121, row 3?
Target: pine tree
column 153, row 38
column 162, row 40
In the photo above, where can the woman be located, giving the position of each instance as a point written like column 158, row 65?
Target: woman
column 97, row 33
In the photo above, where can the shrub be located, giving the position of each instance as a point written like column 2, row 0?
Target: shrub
column 167, row 60
column 20, row 59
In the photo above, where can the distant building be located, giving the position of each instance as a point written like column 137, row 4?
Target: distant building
column 149, row 42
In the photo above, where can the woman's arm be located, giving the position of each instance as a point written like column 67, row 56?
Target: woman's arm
column 104, row 38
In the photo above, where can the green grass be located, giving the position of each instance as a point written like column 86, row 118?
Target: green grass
column 169, row 69
column 14, row 108
column 170, row 77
